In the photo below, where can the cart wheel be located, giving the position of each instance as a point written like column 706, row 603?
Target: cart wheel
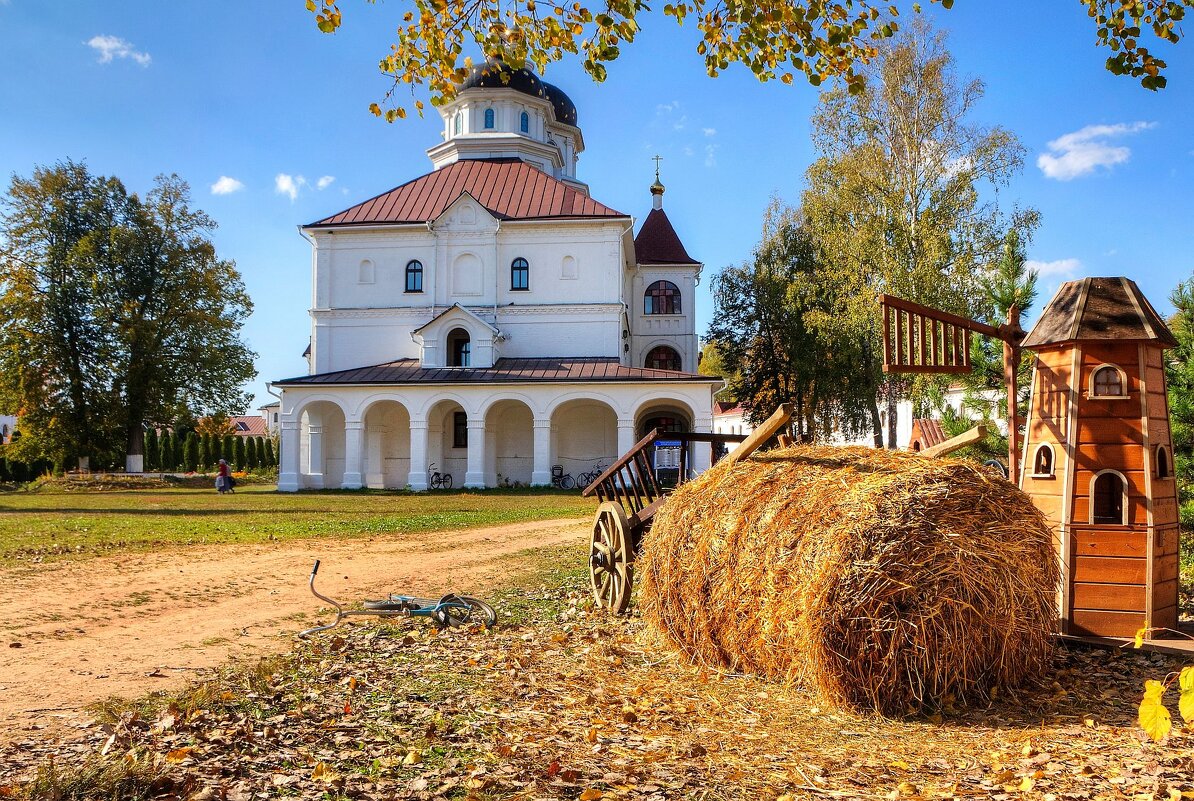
column 611, row 561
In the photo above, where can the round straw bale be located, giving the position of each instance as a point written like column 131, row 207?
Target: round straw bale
column 884, row 581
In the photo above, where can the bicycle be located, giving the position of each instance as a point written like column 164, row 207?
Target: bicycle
column 585, row 479
column 561, row 479
column 438, row 480
column 450, row 611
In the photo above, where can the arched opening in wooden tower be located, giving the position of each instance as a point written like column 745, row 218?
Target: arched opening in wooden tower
column 1107, row 502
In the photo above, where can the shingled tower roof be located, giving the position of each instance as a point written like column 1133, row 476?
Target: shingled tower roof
column 658, row 243
column 1099, row 309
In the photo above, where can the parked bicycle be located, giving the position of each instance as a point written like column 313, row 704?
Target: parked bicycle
column 561, row 479
column 438, row 480
column 450, row 611
column 585, row 479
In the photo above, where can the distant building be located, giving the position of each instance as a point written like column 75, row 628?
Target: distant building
column 249, row 425
column 270, row 414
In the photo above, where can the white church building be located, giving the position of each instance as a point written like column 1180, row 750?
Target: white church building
column 490, row 320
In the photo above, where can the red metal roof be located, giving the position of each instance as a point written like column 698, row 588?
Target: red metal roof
column 509, row 188
column 249, row 425
column 658, row 243
column 409, row 371
column 721, row 408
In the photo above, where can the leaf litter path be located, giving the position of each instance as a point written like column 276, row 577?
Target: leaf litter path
column 73, row 633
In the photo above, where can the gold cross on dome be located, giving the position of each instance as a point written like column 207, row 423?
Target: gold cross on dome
column 657, row 159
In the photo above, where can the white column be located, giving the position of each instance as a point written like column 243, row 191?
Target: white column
column 701, row 454
column 626, row 438
column 353, row 429
column 474, row 478
column 288, row 459
column 375, row 465
column 315, row 456
column 541, row 471
column 418, row 455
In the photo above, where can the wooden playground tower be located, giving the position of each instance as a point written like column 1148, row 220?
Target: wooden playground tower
column 1098, row 455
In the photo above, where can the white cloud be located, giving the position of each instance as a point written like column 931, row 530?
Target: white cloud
column 711, row 155
column 289, row 185
column 688, row 151
column 1060, row 268
column 1083, row 151
column 110, row 47
column 667, row 108
column 709, row 131
column 325, row 182
column 226, row 186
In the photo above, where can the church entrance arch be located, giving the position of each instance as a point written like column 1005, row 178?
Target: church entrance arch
column 321, row 446
column 583, row 432
column 447, row 440
column 668, row 418
column 510, row 449
column 386, row 445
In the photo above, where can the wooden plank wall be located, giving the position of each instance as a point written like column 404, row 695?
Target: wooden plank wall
column 1164, row 497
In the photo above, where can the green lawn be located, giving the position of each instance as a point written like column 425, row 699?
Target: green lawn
column 51, row 524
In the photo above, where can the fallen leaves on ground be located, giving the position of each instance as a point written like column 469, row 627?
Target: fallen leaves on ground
column 578, row 705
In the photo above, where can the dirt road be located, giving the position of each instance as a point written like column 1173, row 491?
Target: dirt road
column 72, row 633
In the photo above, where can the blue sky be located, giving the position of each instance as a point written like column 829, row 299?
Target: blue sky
column 257, row 95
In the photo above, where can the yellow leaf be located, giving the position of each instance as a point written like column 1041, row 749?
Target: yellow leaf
column 591, row 794
column 1153, row 716
column 1027, row 784
column 1139, row 642
column 321, row 771
column 178, row 755
column 1185, row 704
column 413, row 757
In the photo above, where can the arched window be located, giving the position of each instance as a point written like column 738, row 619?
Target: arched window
column 1107, row 499
column 1164, row 468
column 457, row 122
column 663, row 358
column 488, row 118
column 459, row 348
column 414, row 276
column 520, row 275
column 1042, row 463
column 663, row 297
column 1108, row 382
column 524, row 123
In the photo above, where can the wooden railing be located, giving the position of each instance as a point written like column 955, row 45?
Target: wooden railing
column 918, row 339
column 632, row 481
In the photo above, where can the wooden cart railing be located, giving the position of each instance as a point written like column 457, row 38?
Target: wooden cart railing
column 632, row 481
column 631, row 493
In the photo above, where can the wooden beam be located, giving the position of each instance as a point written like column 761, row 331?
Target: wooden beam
column 976, row 434
column 780, row 418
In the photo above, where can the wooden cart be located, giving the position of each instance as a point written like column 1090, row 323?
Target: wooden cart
column 632, row 490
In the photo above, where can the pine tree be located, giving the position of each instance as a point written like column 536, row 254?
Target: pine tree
column 152, row 450
column 204, row 460
column 251, row 460
column 270, row 459
column 228, row 449
column 176, row 448
column 240, row 453
column 191, row 452
column 165, row 454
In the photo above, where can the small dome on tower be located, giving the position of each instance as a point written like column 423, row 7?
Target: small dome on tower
column 497, row 74
column 564, row 107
